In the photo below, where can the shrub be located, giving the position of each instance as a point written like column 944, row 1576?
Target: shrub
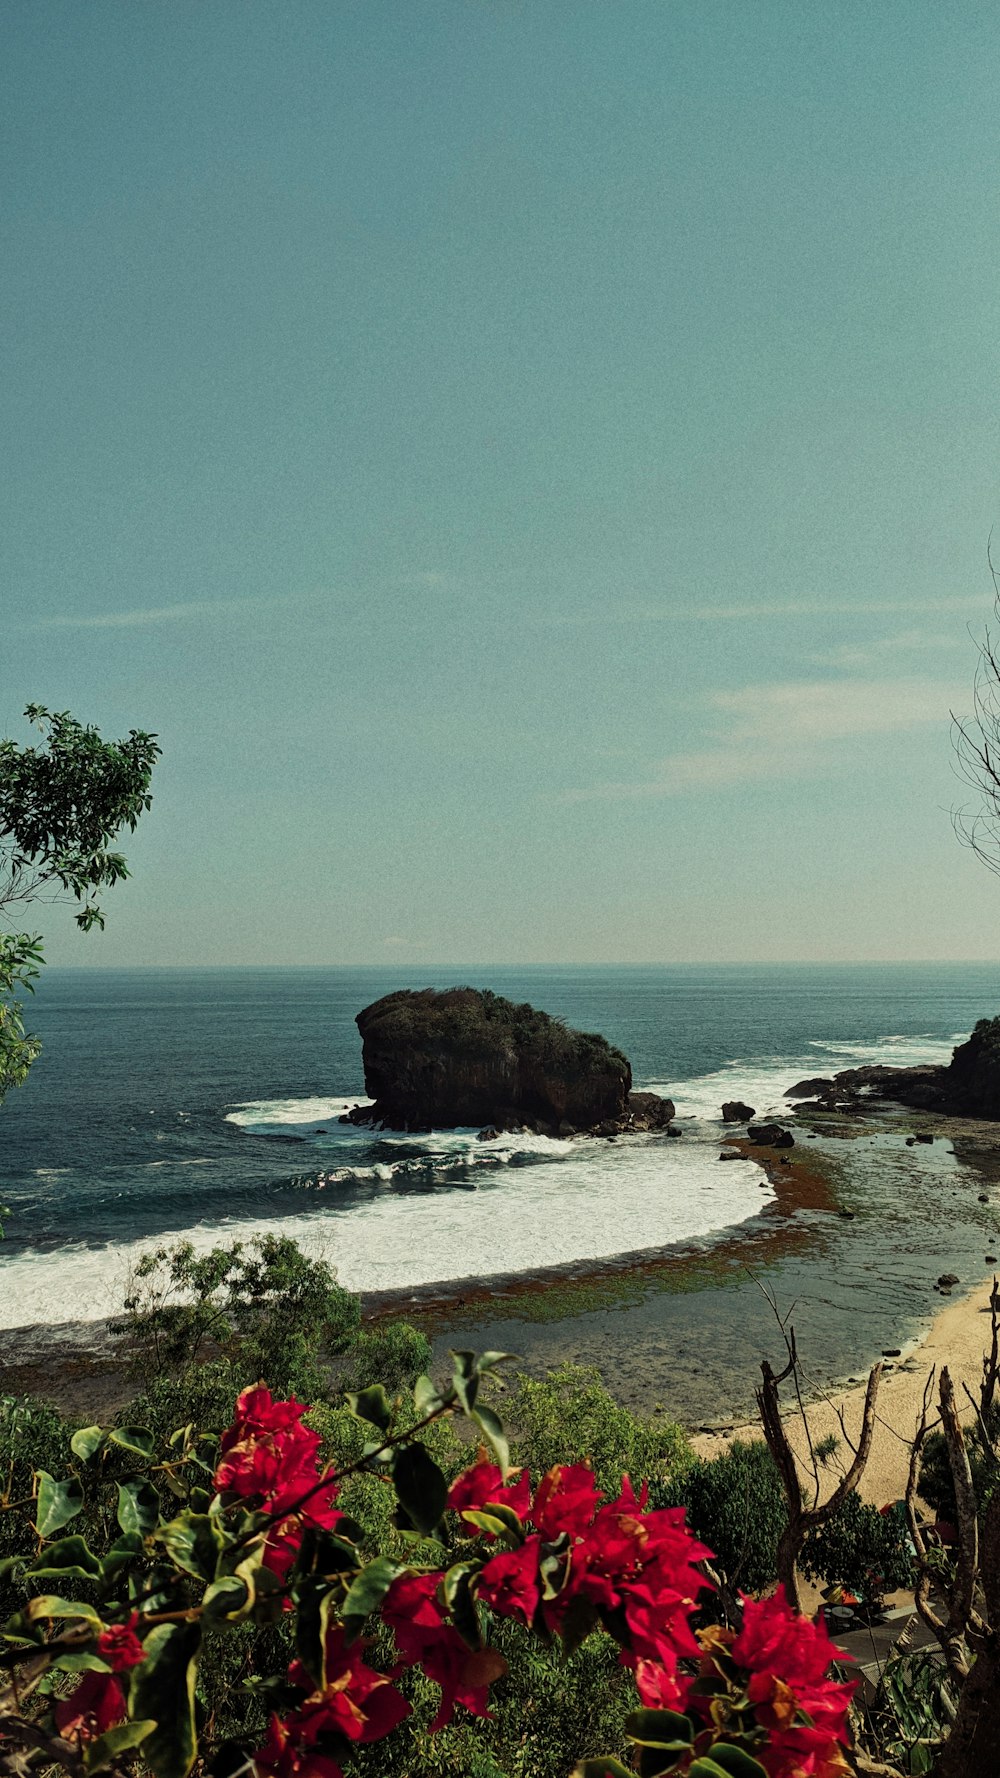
column 393, row 1351
column 735, row 1502
column 860, row 1548
column 568, row 1416
column 264, row 1304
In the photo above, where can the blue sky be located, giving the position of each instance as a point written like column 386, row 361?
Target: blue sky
column 532, row 464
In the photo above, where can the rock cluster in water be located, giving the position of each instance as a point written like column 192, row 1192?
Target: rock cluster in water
column 968, row 1086
column 466, row 1057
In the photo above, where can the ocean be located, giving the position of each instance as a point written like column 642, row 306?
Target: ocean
column 203, row 1104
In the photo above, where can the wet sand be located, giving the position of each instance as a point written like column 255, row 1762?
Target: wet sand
column 959, row 1336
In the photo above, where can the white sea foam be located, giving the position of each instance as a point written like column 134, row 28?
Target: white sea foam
column 764, row 1082
column 282, row 1115
column 476, row 1208
column 592, row 1202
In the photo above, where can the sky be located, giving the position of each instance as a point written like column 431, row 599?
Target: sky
column 530, row 461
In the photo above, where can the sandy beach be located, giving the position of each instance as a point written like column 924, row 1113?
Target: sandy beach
column 958, row 1338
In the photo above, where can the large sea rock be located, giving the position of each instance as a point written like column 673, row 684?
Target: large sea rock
column 465, row 1057
column 968, row 1086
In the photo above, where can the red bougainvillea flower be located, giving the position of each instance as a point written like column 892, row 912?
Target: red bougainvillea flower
column 355, row 1701
column 510, row 1584
column 283, row 1755
column 96, row 1705
column 774, row 1639
column 269, row 1459
column 566, row 1500
column 658, row 1683
column 473, row 1490
column 266, row 1446
column 803, row 1711
column 120, row 1646
column 412, row 1611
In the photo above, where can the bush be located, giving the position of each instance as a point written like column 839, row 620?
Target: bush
column 736, row 1503
column 393, row 1351
column 263, row 1304
column 862, row 1549
column 569, row 1417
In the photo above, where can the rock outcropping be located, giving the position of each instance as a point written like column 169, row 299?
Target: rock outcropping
column 969, row 1086
column 466, row 1057
column 735, row 1111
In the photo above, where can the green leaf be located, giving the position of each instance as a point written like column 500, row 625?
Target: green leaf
column 465, row 1378
column 488, row 1361
column 227, row 1601
column 420, row 1487
column 69, row 1559
column 80, row 1663
column 732, row 1762
column 87, row 1442
column 659, row 1728
column 138, row 1506
column 194, row 1542
column 425, row 1396
column 367, row 1591
column 491, row 1424
column 163, row 1691
column 134, row 1439
column 499, row 1521
column 601, row 1768
column 108, row 1748
column 461, row 1603
column 51, row 1605
column 312, row 1621
column 124, row 1550
column 373, row 1405
column 57, row 1503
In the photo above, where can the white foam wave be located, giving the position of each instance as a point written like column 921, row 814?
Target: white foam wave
column 263, row 1115
column 606, row 1199
column 763, row 1083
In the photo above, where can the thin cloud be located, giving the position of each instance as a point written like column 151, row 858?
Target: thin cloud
column 782, row 731
column 146, row 615
column 767, row 608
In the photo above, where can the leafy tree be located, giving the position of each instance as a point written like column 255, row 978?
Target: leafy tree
column 263, row 1304
column 735, row 1503
column 862, row 1549
column 61, row 806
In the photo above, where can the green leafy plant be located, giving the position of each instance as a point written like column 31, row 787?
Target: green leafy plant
column 61, row 805
column 735, row 1502
column 264, row 1304
column 862, row 1549
column 242, row 1543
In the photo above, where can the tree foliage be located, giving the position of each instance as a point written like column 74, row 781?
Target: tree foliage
column 61, row 805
